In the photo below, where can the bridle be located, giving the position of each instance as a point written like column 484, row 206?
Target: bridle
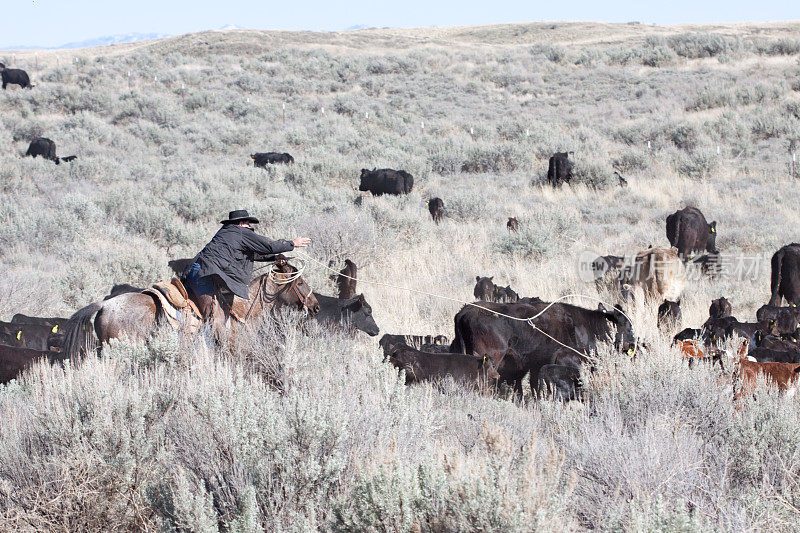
column 290, row 283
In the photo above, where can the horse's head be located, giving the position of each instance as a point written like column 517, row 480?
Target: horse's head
column 290, row 288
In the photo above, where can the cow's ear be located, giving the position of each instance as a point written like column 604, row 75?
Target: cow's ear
column 477, row 278
column 713, row 227
column 678, row 302
column 491, row 278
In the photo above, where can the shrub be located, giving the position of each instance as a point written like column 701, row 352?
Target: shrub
column 698, row 45
column 658, row 56
column 496, row 158
column 553, row 53
column 467, row 206
column 781, row 46
column 631, row 160
column 595, row 175
column 542, row 234
column 338, row 237
column 699, row 164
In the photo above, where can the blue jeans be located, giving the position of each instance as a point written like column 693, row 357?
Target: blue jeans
column 199, row 285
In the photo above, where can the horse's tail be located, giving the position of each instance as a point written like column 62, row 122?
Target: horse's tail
column 775, row 277
column 462, row 341
column 79, row 338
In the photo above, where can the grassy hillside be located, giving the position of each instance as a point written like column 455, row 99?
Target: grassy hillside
column 174, row 437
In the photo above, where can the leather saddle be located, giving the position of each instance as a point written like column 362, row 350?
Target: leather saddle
column 179, row 310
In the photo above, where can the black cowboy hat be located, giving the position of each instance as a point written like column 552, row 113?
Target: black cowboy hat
column 240, row 215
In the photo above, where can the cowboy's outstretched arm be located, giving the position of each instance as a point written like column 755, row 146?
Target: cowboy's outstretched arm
column 264, row 249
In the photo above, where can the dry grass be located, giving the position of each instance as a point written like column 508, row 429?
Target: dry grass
column 173, row 436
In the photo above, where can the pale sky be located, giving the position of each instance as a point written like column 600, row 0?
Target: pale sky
column 55, row 22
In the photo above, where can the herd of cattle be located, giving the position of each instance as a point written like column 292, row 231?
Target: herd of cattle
column 505, row 337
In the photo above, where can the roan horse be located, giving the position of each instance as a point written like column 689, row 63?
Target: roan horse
column 134, row 314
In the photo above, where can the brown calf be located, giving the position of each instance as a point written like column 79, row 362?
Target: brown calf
column 780, row 374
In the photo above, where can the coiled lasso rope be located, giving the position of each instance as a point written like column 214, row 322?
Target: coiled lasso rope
column 290, row 277
column 498, row 313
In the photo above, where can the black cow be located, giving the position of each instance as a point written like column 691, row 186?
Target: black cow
column 720, row 308
column 773, row 342
column 485, row 289
column 563, row 334
column 726, row 327
column 669, row 315
column 507, row 295
column 689, row 334
column 351, row 313
column 436, row 347
column 781, row 320
column 559, row 169
column 14, row 360
column 607, row 269
column 32, row 336
column 425, row 343
column 688, row 231
column 560, row 382
column 463, row 368
column 436, row 208
column 766, row 355
column 15, row 76
column 262, row 159
column 785, row 279
column 512, row 224
column 47, row 149
column 55, row 323
column 386, row 181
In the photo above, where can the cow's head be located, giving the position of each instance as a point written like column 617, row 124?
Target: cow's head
column 489, row 368
column 485, row 289
column 785, row 323
column 624, row 336
column 507, row 294
column 711, row 243
column 359, row 314
column 719, row 308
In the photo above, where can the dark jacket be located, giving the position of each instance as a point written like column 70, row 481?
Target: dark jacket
column 230, row 255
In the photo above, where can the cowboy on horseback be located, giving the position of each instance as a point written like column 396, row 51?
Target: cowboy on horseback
column 224, row 267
